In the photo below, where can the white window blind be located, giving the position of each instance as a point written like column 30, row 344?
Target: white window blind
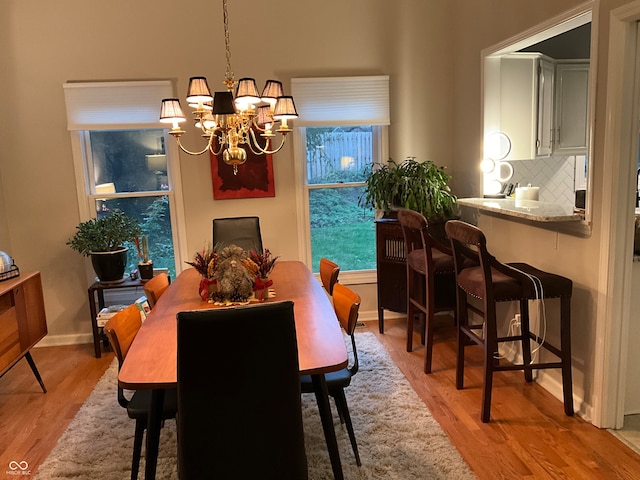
column 337, row 101
column 111, row 105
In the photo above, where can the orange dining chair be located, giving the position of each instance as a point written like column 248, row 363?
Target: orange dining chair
column 346, row 304
column 121, row 329
column 488, row 282
column 329, row 272
column 155, row 287
column 431, row 281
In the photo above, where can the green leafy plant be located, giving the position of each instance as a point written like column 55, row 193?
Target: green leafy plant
column 104, row 234
column 420, row 186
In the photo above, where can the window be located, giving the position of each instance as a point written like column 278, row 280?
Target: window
column 343, row 133
column 122, row 164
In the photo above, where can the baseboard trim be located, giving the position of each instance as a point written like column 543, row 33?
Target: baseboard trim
column 372, row 315
column 59, row 340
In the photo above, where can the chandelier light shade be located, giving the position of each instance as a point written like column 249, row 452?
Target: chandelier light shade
column 232, row 123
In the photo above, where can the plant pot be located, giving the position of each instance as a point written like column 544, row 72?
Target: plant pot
column 109, row 266
column 146, row 270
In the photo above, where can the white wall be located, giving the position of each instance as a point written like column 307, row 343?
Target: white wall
column 486, row 23
column 48, row 43
column 431, row 50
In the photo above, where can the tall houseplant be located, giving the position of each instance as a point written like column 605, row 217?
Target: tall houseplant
column 420, row 186
column 103, row 239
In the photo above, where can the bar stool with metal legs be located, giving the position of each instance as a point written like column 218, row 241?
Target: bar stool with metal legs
column 491, row 282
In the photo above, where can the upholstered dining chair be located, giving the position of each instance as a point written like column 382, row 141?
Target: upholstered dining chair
column 431, row 282
column 489, row 282
column 239, row 409
column 155, row 287
column 121, row 329
column 346, row 304
column 241, row 231
column 329, row 272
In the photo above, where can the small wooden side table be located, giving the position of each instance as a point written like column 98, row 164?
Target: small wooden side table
column 97, row 304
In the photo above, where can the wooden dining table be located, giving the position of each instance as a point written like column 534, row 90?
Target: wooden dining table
column 151, row 363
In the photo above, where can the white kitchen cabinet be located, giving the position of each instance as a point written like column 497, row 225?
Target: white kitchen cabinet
column 545, row 130
column 571, row 101
column 526, row 104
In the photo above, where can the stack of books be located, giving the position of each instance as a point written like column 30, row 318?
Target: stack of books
column 107, row 312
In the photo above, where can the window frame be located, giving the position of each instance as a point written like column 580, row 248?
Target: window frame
column 380, row 153
column 122, row 105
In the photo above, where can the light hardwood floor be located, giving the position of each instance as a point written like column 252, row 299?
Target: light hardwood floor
column 529, row 435
column 31, row 421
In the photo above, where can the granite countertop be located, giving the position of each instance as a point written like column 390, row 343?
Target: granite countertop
column 527, row 209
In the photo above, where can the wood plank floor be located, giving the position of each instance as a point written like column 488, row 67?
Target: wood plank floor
column 529, row 436
column 31, row 421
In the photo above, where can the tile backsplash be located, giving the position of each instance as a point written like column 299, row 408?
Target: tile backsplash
column 554, row 175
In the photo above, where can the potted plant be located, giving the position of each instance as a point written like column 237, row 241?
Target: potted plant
column 145, row 265
column 420, row 186
column 103, row 239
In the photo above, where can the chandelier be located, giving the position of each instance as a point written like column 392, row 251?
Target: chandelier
column 231, row 123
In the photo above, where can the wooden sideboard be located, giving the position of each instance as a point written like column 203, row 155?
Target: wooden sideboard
column 22, row 321
column 391, row 268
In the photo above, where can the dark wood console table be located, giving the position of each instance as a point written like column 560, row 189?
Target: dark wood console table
column 22, row 321
column 391, row 268
column 97, row 304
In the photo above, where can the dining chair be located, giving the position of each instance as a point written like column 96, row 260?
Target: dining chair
column 329, row 272
column 241, row 231
column 121, row 329
column 346, row 304
column 431, row 282
column 155, row 287
column 239, row 406
column 481, row 287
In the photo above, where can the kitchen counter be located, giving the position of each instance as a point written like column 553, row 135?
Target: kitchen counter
column 531, row 210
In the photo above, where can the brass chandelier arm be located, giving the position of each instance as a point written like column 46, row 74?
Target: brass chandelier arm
column 227, row 120
column 264, row 150
column 207, row 147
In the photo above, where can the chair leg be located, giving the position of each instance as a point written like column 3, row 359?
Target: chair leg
column 463, row 321
column 490, row 358
column 341, row 402
column 429, row 320
column 490, row 348
column 413, row 289
column 565, row 347
column 137, row 448
column 526, row 339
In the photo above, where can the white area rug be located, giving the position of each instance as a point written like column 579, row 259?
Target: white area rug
column 397, row 437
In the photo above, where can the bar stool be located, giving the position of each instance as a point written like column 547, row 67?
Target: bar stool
column 431, row 282
column 492, row 282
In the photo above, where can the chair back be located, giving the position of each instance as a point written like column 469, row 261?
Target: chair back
column 415, row 228
column 239, row 404
column 346, row 304
column 241, row 231
column 155, row 287
column 480, row 273
column 329, row 272
column 121, row 329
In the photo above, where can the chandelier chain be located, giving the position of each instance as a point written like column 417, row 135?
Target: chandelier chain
column 229, row 79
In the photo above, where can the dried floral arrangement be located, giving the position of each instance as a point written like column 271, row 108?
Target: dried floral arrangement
column 235, row 273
